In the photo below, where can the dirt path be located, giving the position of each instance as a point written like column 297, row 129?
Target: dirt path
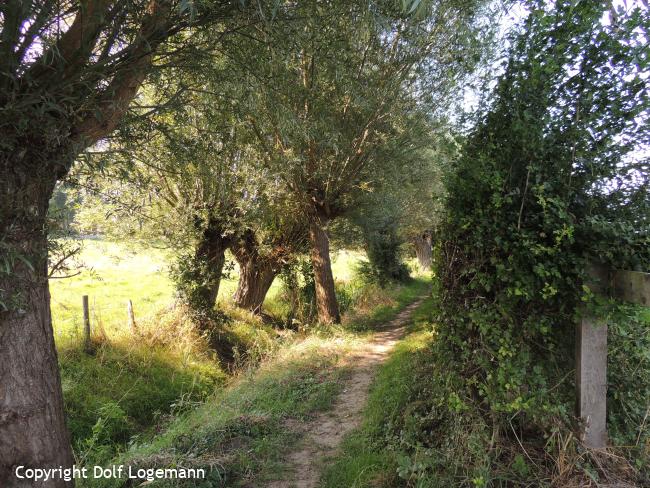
column 324, row 433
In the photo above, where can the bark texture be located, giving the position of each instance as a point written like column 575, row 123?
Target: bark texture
column 32, row 424
column 209, row 260
column 423, row 250
column 255, row 279
column 256, row 272
column 40, row 142
column 326, row 303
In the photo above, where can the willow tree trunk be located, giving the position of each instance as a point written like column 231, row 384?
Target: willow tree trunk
column 256, row 275
column 256, row 272
column 32, row 424
column 57, row 100
column 204, row 278
column 326, row 304
column 423, row 250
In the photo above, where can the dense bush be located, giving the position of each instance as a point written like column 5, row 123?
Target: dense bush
column 548, row 182
column 299, row 291
column 628, row 379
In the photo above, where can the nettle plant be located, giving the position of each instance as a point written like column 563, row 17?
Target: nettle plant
column 551, row 178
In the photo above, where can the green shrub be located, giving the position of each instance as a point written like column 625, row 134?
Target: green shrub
column 299, row 291
column 530, row 204
column 383, row 248
column 628, row 379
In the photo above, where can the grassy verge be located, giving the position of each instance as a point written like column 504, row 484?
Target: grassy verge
column 417, row 431
column 376, row 305
column 241, row 433
column 127, row 388
column 117, row 393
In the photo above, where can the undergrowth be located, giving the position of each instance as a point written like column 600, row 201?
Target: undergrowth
column 128, row 385
column 163, row 395
column 420, row 430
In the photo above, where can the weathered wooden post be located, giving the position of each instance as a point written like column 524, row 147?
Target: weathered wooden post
column 86, row 313
column 591, row 368
column 129, row 309
column 591, row 350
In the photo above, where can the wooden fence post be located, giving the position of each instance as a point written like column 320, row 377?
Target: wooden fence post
column 129, row 309
column 86, row 314
column 591, row 350
column 591, row 368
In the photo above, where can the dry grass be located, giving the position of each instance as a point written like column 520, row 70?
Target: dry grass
column 576, row 466
column 370, row 299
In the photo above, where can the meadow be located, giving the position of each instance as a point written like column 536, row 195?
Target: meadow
column 135, row 382
column 111, row 273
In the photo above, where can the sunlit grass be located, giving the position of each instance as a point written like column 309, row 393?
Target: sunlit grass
column 114, row 273
column 240, row 435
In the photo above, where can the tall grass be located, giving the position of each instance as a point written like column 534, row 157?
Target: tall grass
column 242, row 433
column 135, row 381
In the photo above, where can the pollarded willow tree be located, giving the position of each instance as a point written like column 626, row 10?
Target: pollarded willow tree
column 200, row 175
column 193, row 162
column 266, row 247
column 196, row 162
column 334, row 85
column 68, row 73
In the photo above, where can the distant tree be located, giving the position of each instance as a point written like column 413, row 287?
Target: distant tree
column 330, row 90
column 62, row 211
column 398, row 204
column 423, row 201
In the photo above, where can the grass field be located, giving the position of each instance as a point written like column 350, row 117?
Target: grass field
column 111, row 275
column 133, row 382
column 114, row 273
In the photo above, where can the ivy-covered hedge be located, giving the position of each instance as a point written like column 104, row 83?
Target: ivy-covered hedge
column 553, row 177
